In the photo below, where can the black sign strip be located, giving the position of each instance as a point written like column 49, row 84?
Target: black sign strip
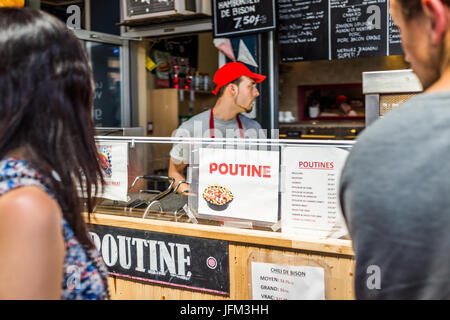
column 162, row 258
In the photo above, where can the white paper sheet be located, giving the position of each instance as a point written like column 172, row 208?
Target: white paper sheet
column 278, row 282
column 310, row 203
column 114, row 163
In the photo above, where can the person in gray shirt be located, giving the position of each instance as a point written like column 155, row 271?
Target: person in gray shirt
column 236, row 92
column 395, row 186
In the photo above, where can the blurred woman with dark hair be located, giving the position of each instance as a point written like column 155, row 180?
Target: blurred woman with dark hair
column 47, row 153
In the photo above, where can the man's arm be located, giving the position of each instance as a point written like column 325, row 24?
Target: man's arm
column 176, row 171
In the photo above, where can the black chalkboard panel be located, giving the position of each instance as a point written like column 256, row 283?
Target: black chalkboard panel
column 303, row 29
column 335, row 29
column 395, row 44
column 237, row 17
column 168, row 259
column 358, row 28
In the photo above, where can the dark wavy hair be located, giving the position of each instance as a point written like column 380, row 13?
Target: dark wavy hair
column 46, row 97
column 411, row 8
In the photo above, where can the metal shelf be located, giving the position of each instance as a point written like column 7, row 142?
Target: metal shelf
column 393, row 81
column 169, row 28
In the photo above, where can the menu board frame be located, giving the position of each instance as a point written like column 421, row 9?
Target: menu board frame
column 356, row 28
column 220, row 17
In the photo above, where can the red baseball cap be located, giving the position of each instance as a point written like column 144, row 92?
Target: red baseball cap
column 341, row 99
column 232, row 71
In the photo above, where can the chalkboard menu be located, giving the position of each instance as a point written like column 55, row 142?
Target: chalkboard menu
column 303, row 27
column 356, row 28
column 395, row 44
column 237, row 17
column 336, row 29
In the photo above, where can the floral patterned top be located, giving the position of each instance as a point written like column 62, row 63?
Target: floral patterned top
column 84, row 274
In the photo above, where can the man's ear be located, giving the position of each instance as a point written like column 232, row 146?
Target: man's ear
column 232, row 89
column 437, row 12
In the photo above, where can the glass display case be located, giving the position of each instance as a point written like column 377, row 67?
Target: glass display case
column 289, row 186
column 257, row 214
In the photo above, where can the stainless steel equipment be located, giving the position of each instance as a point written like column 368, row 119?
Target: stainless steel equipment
column 122, row 132
column 387, row 90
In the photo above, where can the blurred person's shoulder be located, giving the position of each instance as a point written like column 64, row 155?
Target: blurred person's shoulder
column 404, row 131
column 31, row 209
column 412, row 121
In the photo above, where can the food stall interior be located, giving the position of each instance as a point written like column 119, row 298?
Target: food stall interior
column 154, row 73
column 309, row 92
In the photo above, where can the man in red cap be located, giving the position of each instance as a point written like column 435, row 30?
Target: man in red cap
column 236, row 93
column 344, row 106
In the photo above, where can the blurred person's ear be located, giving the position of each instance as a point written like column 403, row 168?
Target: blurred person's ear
column 438, row 14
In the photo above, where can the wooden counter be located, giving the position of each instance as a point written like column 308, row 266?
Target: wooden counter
column 244, row 246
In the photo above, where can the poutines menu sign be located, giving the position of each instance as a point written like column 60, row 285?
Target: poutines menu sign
column 237, row 17
column 336, row 29
column 174, row 260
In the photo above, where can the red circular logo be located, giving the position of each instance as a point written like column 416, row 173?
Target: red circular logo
column 211, row 262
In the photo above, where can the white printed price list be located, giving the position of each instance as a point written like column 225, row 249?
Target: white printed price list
column 310, row 202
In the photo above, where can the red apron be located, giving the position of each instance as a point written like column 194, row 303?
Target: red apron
column 211, row 125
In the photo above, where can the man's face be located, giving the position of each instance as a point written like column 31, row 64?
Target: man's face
column 416, row 43
column 246, row 94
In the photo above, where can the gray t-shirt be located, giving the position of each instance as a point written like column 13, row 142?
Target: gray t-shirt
column 395, row 195
column 198, row 127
